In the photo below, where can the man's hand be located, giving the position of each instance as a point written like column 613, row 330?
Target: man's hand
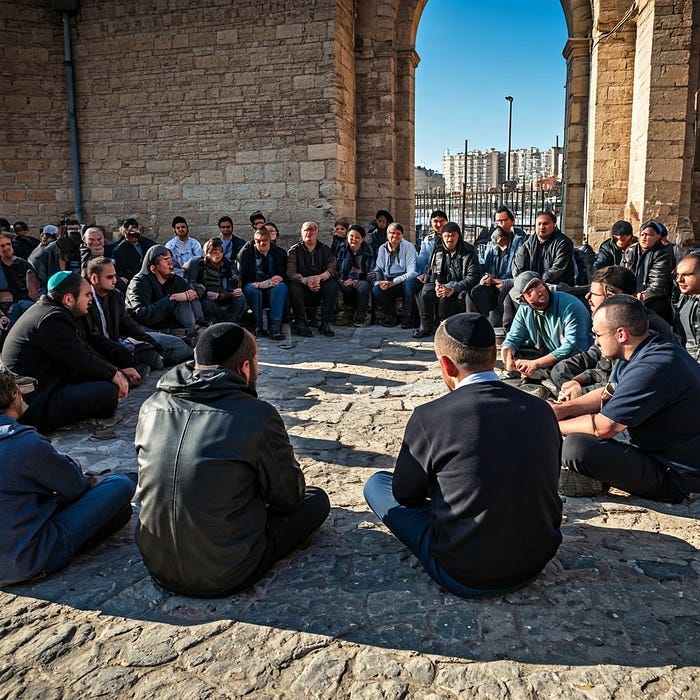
column 385, row 284
column 132, row 376
column 122, row 383
column 496, row 282
column 421, row 278
column 188, row 295
column 570, row 390
column 527, row 367
column 442, row 291
column 350, row 283
column 486, row 280
column 275, row 280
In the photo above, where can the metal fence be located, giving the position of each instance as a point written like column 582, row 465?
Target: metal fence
column 474, row 210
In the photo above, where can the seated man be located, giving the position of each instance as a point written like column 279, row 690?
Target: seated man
column 589, row 370
column 231, row 244
column 49, row 511
column 22, row 243
column 19, row 287
column 547, row 327
column 157, row 298
column 182, row 246
column 110, row 330
column 263, row 270
column 452, row 271
column 128, row 253
column 490, row 296
column 222, row 496
column 640, row 433
column 481, row 513
column 396, row 274
column 312, row 279
column 612, row 250
column 73, row 381
column 688, row 307
column 215, row 279
column 93, row 245
column 355, row 266
column 45, row 256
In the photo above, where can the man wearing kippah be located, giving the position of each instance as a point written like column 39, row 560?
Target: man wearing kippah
column 482, row 514
column 222, row 495
column 73, row 381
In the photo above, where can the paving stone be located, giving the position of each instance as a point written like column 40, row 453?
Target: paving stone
column 354, row 615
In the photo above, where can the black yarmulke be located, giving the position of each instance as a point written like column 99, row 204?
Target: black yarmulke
column 470, row 330
column 217, row 343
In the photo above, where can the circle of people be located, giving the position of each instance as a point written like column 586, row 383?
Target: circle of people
column 598, row 388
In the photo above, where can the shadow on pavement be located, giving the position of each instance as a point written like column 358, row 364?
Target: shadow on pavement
column 611, row 596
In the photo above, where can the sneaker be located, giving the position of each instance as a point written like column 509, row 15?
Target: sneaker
column 26, row 384
column 576, row 485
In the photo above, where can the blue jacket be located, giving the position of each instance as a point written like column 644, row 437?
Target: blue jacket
column 567, row 327
column 498, row 264
column 35, row 482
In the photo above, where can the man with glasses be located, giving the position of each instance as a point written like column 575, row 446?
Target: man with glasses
column 128, row 253
column 590, row 370
column 645, row 439
column 547, row 327
column 262, row 268
column 688, row 306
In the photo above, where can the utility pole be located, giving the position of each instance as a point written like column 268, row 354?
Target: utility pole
column 510, row 127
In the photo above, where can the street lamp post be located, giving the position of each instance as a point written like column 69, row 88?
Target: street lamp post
column 510, row 125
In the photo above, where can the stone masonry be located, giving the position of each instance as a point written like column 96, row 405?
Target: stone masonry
column 306, row 111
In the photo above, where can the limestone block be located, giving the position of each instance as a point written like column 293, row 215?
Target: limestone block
column 315, row 170
column 322, row 151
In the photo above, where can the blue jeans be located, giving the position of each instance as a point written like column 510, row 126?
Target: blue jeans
column 275, row 297
column 173, row 349
column 101, row 511
column 412, row 527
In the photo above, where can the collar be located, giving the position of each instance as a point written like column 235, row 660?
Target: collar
column 478, row 378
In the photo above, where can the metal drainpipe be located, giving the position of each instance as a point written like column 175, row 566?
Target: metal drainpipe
column 72, row 122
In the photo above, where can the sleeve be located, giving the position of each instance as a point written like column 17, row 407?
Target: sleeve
column 518, row 334
column 411, row 271
column 142, row 307
column 471, row 273
column 659, row 277
column 281, row 479
column 563, row 254
column 59, row 339
column 381, row 264
column 424, row 256
column 292, row 265
column 329, row 262
column 576, row 324
column 411, row 484
column 603, row 259
column 521, row 262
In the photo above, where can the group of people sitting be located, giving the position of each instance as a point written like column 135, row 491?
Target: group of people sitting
column 220, row 506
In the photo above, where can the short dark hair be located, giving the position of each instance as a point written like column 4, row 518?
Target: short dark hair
column 385, row 214
column 472, row 359
column 95, row 266
column 20, row 226
column 503, row 209
column 227, row 219
column 548, row 213
column 257, row 215
column 179, row 220
column 8, row 389
column 358, row 228
column 246, row 351
column 623, row 311
column 274, row 226
column 342, row 222
column 616, row 279
column 438, row 212
column 5, row 225
column 212, row 243
column 452, row 227
column 621, row 228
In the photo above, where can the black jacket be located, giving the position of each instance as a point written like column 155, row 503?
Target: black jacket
column 553, row 258
column 652, row 268
column 45, row 344
column 363, row 261
column 247, row 269
column 460, row 271
column 147, row 300
column 609, row 254
column 212, row 459
column 127, row 259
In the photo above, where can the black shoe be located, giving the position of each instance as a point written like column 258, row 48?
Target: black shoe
column 358, row 322
column 260, row 333
column 325, row 329
column 421, row 332
column 276, row 333
column 390, row 322
column 406, row 324
column 303, row 330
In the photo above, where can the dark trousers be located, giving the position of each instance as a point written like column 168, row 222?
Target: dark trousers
column 386, row 298
column 73, row 403
column 287, row 532
column 301, row 297
column 493, row 303
column 429, row 304
column 359, row 294
column 624, row 466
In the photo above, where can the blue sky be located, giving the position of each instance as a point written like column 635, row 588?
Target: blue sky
column 474, row 53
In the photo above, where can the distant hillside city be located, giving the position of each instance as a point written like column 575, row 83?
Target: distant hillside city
column 486, row 170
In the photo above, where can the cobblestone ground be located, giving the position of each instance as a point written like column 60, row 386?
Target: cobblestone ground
column 615, row 614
